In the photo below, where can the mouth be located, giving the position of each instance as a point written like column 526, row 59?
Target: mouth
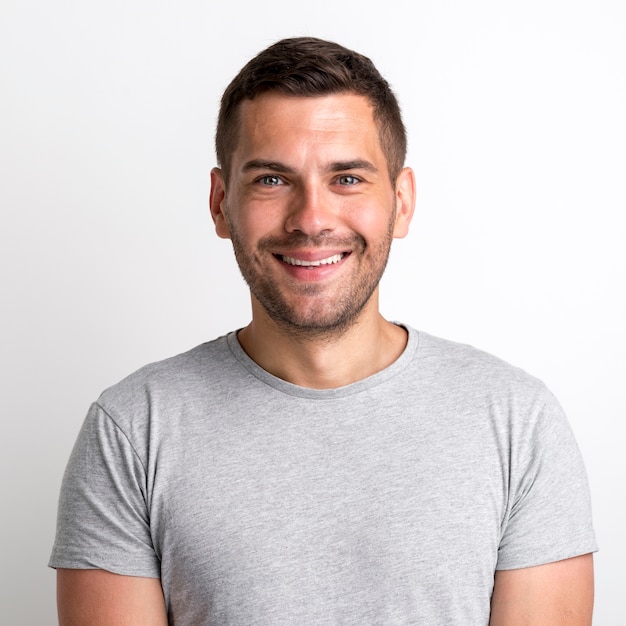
column 331, row 260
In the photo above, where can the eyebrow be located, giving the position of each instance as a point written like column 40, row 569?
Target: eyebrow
column 274, row 166
column 337, row 166
column 355, row 164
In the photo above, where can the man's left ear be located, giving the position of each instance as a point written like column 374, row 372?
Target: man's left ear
column 405, row 202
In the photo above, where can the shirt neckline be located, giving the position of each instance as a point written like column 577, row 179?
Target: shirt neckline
column 326, row 394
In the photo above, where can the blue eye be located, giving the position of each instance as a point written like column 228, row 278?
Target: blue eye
column 348, row 179
column 270, row 180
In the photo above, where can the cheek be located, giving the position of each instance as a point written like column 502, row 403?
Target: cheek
column 371, row 219
column 254, row 221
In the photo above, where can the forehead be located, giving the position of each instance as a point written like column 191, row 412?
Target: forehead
column 274, row 122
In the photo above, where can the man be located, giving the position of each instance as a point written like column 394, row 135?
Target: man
column 322, row 465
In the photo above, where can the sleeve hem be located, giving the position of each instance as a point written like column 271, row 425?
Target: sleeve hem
column 524, row 561
column 143, row 569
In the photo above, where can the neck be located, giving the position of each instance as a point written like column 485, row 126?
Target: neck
column 368, row 346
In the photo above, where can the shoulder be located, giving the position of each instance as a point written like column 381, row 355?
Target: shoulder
column 173, row 382
column 466, row 380
column 469, row 365
column 205, row 360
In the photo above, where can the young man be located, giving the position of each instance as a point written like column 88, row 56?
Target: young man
column 322, row 465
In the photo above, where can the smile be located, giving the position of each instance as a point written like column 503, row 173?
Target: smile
column 331, row 260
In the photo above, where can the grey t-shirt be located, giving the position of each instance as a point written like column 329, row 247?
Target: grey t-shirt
column 388, row 501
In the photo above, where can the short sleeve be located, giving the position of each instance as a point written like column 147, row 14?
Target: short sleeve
column 103, row 520
column 549, row 514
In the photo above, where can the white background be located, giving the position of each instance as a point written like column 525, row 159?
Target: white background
column 516, row 113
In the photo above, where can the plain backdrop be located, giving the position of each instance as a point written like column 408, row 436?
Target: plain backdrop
column 516, row 114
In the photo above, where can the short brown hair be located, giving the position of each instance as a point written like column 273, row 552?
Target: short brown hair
column 307, row 66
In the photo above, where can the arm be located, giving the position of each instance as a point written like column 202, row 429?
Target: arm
column 555, row 594
column 94, row 597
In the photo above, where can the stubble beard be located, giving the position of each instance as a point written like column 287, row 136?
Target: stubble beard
column 319, row 319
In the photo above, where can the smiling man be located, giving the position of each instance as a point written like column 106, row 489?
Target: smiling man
column 309, row 204
column 322, row 465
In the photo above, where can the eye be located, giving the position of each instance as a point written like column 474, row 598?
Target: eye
column 348, row 179
column 270, row 180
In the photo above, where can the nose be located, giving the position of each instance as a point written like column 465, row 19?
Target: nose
column 311, row 212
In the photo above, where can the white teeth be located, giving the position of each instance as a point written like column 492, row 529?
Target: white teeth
column 329, row 261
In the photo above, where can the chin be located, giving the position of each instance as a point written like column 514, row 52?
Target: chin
column 316, row 324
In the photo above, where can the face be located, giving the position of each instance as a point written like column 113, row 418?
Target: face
column 310, row 209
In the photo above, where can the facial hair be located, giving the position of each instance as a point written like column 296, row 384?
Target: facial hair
column 322, row 314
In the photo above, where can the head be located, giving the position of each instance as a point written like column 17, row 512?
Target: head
column 312, row 186
column 309, row 67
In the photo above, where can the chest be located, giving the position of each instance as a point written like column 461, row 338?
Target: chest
column 324, row 506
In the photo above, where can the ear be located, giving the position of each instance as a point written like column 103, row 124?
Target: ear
column 405, row 202
column 217, row 203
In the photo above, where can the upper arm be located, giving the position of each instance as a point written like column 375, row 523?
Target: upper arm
column 552, row 594
column 100, row 598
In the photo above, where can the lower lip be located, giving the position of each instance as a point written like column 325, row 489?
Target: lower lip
column 312, row 273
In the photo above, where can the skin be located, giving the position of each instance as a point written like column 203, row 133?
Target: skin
column 93, row 597
column 309, row 181
column 556, row 594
